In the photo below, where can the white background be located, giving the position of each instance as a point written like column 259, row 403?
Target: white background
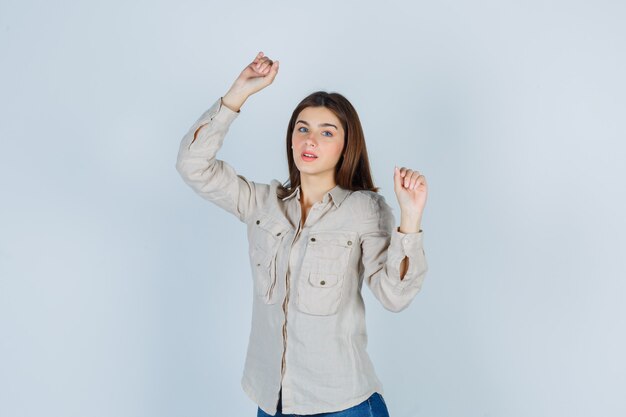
column 113, row 272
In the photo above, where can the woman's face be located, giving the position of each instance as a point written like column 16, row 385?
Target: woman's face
column 317, row 132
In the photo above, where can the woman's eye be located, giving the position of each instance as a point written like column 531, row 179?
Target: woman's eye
column 329, row 134
column 302, row 129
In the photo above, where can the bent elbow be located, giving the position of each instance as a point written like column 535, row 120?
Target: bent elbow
column 402, row 299
column 398, row 305
column 183, row 170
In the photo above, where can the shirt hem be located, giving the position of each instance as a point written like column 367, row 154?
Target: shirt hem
column 249, row 392
column 340, row 407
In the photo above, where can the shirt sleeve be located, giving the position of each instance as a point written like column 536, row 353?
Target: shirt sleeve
column 383, row 249
column 211, row 178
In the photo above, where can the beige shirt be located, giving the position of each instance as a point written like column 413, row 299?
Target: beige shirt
column 308, row 331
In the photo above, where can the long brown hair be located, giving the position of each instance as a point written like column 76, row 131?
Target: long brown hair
column 352, row 171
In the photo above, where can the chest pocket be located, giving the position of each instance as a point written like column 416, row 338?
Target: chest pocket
column 320, row 287
column 265, row 242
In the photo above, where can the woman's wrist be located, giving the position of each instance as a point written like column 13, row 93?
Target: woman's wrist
column 234, row 100
column 410, row 223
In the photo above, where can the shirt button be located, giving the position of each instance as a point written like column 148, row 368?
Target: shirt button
column 258, row 221
column 349, row 242
column 323, row 282
column 278, row 234
column 406, row 240
column 312, row 239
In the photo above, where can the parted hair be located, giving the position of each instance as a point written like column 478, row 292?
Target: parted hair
column 352, row 171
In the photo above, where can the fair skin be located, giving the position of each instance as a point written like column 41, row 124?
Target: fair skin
column 314, row 133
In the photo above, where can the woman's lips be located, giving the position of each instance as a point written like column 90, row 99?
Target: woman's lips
column 307, row 158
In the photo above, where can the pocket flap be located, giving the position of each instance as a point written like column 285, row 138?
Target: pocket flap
column 322, row 280
column 273, row 226
column 334, row 238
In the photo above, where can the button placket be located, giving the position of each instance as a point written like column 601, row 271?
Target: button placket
column 285, row 305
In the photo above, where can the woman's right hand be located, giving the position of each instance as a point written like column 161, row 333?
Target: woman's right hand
column 255, row 76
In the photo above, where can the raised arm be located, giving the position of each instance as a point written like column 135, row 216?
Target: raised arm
column 214, row 179
column 394, row 261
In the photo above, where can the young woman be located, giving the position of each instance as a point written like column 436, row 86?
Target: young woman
column 312, row 243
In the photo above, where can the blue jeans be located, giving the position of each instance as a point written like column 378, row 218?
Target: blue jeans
column 374, row 406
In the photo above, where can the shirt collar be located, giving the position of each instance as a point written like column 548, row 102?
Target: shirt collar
column 337, row 194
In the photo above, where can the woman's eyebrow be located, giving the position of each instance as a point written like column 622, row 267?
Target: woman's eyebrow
column 320, row 125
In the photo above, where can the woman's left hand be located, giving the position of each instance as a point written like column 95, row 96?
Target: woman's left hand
column 411, row 190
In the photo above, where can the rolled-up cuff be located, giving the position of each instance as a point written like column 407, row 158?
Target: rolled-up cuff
column 218, row 115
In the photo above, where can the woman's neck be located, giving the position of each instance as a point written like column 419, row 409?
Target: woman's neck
column 313, row 190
